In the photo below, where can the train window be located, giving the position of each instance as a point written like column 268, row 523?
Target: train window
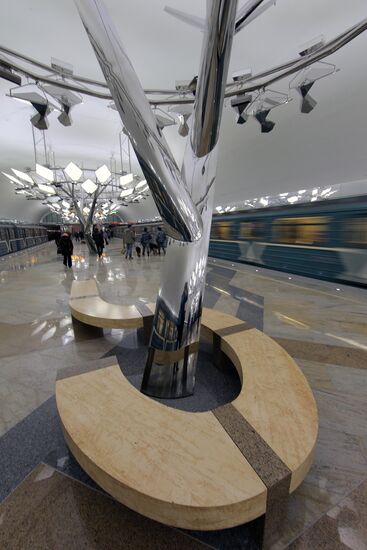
column 251, row 231
column 221, row 230
column 304, row 231
column 355, row 231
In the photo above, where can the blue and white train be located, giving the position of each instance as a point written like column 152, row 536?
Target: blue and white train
column 326, row 239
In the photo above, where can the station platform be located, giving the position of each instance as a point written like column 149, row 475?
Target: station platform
column 321, row 325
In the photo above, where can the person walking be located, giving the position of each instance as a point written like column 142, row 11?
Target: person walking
column 129, row 239
column 66, row 246
column 98, row 239
column 105, row 235
column 145, row 239
column 161, row 240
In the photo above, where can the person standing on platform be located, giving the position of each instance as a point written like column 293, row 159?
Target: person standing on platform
column 161, row 240
column 145, row 239
column 66, row 246
column 129, row 239
column 98, row 239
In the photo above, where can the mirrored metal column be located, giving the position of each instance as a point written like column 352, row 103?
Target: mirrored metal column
column 171, row 364
column 185, row 200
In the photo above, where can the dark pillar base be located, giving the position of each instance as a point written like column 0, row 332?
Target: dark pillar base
column 167, row 378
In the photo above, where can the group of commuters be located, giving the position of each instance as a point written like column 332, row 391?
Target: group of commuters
column 149, row 243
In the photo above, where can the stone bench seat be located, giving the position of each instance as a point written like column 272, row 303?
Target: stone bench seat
column 206, row 470
column 88, row 307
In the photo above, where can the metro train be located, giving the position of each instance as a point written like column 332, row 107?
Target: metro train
column 323, row 239
column 16, row 236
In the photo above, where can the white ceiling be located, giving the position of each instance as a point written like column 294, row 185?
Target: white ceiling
column 326, row 146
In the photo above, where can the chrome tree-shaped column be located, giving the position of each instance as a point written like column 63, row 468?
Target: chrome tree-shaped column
column 184, row 199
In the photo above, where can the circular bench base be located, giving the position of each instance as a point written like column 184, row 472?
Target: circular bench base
column 208, row 470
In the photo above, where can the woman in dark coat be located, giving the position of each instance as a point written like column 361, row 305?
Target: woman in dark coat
column 66, row 246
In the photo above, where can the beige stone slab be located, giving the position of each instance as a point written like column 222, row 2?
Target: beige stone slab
column 275, row 398
column 96, row 312
column 176, row 467
column 183, row 468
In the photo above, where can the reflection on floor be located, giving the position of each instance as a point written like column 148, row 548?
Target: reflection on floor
column 320, row 324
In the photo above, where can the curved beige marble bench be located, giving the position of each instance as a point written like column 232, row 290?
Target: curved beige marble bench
column 88, row 307
column 197, row 470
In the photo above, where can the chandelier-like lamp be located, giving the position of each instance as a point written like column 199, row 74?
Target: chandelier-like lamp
column 184, row 198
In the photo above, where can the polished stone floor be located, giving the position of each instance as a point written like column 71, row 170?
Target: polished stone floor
column 322, row 325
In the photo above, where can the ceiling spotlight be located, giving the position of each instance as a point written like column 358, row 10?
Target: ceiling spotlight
column 192, row 85
column 126, row 193
column 89, row 186
column 266, row 125
column 64, row 118
column 308, row 103
column 125, row 180
column 103, row 174
column 240, row 104
column 73, row 171
column 183, row 128
column 33, row 94
column 44, row 172
column 46, row 189
column 23, row 176
column 66, row 98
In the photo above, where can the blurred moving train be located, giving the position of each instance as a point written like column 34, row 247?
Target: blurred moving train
column 17, row 236
column 323, row 239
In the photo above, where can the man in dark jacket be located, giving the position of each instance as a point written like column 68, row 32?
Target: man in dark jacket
column 99, row 240
column 66, row 246
column 161, row 240
column 145, row 240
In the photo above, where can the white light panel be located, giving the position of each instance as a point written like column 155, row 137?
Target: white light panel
column 89, row 186
column 73, row 171
column 126, row 193
column 46, row 189
column 23, row 176
column 141, row 183
column 45, row 173
column 13, row 179
column 103, row 174
column 125, row 180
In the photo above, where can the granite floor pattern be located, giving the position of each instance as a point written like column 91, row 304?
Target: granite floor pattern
column 320, row 324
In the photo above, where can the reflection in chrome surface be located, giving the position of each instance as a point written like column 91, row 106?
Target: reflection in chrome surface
column 156, row 160
column 185, row 200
